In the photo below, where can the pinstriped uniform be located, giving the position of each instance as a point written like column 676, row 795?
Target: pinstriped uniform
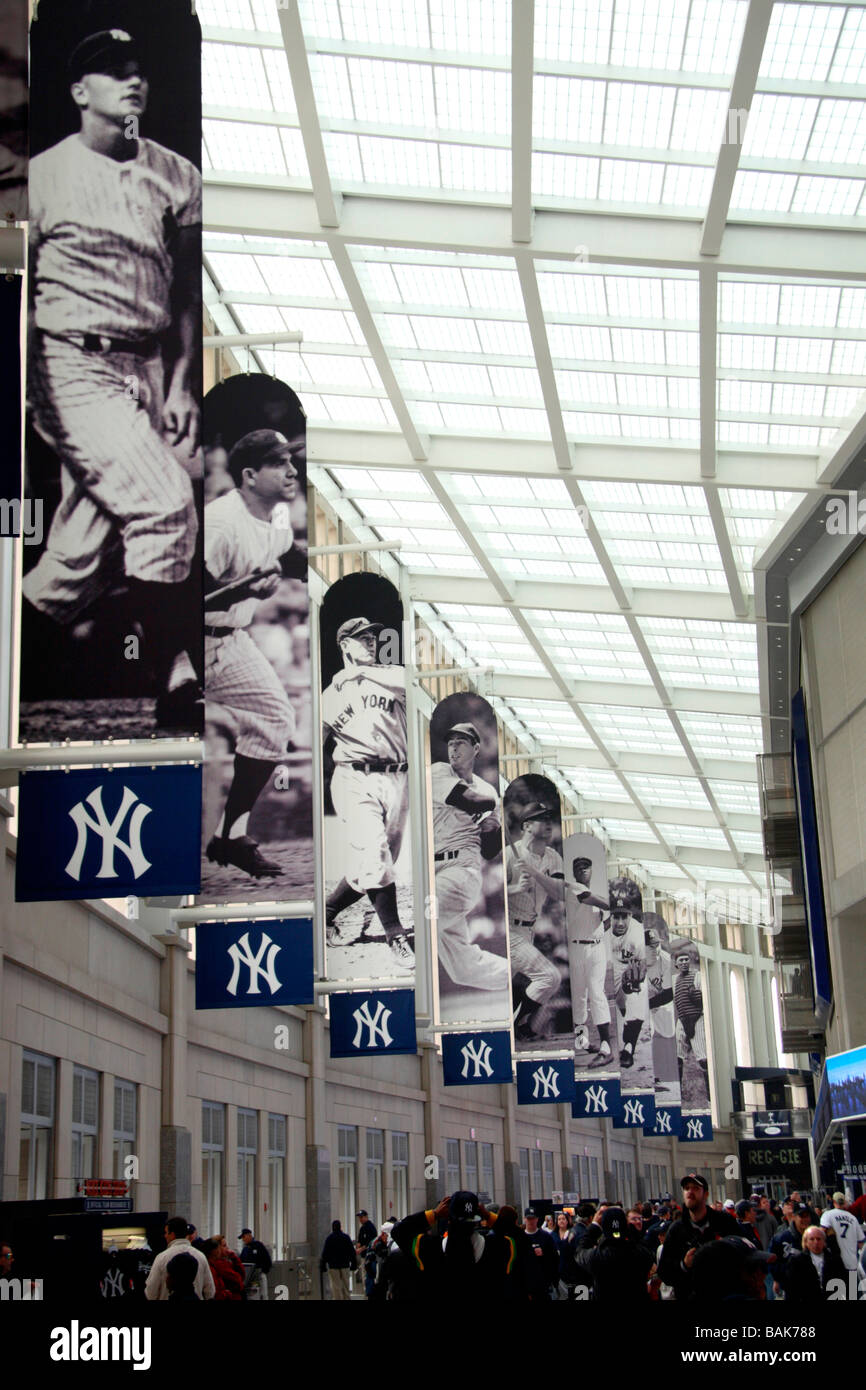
column 523, row 907
column 689, row 1006
column 101, row 233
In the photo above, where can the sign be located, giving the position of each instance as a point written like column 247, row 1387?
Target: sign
column 545, row 1081
column 476, row 1059
column 108, row 833
column 665, row 1124
column 635, row 1111
column 104, row 1187
column 597, row 1099
column 116, row 1204
column 785, row 1159
column 364, row 1025
column 695, row 1129
column 771, row 1124
column 593, row 1002
column 247, row 964
column 660, row 980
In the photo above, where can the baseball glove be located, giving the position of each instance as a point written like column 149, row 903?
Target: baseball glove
column 633, row 976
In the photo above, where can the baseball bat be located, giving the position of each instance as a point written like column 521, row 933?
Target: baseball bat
column 234, row 586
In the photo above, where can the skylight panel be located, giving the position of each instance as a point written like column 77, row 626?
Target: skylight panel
column 747, row 351
column 360, row 410
column 499, row 337
column 582, row 424
column 296, row 275
column 227, row 14
column 630, row 181
column 437, row 285
column 748, row 302
column 736, row 796
column 400, row 163
column 714, row 35
column 641, row 390
column 396, row 93
column 852, row 302
column 648, row 33
column 687, row 186
column 343, row 155
column 565, row 176
column 634, row 296
column 341, row 370
column 428, row 414
column 471, row 26
column 849, row 63
column 324, row 325
column 473, row 99
column 596, row 388
column 686, row 429
column 839, row 133
column 378, row 281
column 803, row 354
column 279, row 80
column 609, row 494
column 698, row 123
column 681, row 349
column 412, row 375
column 638, row 115
column 779, row 127
column 798, row 399
column 661, row 869
column 741, row 432
column 801, row 41
column 493, row 289
column 702, row 836
column 293, row 150
column 568, row 108
column 841, row 401
column 572, row 292
column 461, row 378
column 629, row 830
column 520, row 382
column 849, row 358
column 237, row 147
column 392, row 23
column 756, row 191
column 440, row 334
column 234, row 75
column 237, row 272
column 684, row 393
column 520, row 421
column 330, row 77
column 595, row 783
column 475, row 168
column 750, row 397
column 573, row 31
column 471, row 417
column 638, row 345
column 584, row 343
column 829, row 197
column 798, row 436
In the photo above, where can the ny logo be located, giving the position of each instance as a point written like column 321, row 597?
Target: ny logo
column 596, row 1100
column 110, row 834
column 663, row 1122
column 633, row 1112
column 241, row 954
column 479, row 1053
column 377, row 1024
column 548, row 1080
column 695, row 1129
column 112, row 1284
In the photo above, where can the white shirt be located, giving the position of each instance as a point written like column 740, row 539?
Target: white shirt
column 156, row 1289
column 849, row 1234
column 525, row 903
column 236, row 544
column 453, row 828
column 367, row 716
column 629, row 946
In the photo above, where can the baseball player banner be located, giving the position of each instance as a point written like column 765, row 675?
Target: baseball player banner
column 691, row 1037
column 665, row 1124
column 364, row 1024
column 545, row 1081
column 111, row 640
column 598, row 1098
column 469, row 886
column 537, row 934
column 635, row 1110
column 660, row 972
column 369, row 920
column 593, row 1005
column 696, row 1128
column 13, row 111
column 242, row 965
column 10, row 414
column 627, row 945
column 476, row 1059
column 257, row 805
column 108, row 833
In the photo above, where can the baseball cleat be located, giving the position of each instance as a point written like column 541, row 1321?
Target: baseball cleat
column 215, row 851
column 581, row 1040
column 244, row 853
column 181, row 708
column 602, row 1060
column 404, row 956
column 626, row 1058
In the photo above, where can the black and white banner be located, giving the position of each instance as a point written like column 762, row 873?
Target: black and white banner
column 691, row 1037
column 593, row 1006
column 111, row 622
column 15, row 520
column 660, row 971
column 257, row 832
column 630, row 989
column 469, row 885
column 13, row 109
column 368, row 862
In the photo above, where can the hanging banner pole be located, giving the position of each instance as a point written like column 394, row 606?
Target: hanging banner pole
column 238, row 912
column 318, row 827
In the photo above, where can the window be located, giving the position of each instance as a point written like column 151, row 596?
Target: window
column 470, row 1164
column 277, row 1183
column 347, row 1175
column 85, row 1122
column 589, row 1184
column 524, row 1178
column 400, row 1171
column 125, row 1118
column 213, row 1143
column 549, row 1183
column 375, row 1166
column 452, row 1164
column 487, row 1174
column 537, row 1182
column 742, row 1041
column 248, row 1134
column 721, row 1187
column 623, row 1176
column 35, row 1154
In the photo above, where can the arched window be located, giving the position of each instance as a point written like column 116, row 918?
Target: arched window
column 740, row 1016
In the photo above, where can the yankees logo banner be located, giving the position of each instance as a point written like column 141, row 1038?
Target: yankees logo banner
column 598, row 1098
column 696, row 1129
column 240, row 965
column 635, row 1110
column 537, row 932
column 469, row 882
column 665, row 1124
column 97, row 833
column 545, row 1082
column 476, row 1059
column 366, row 1024
column 16, row 520
column 369, row 919
column 593, row 1002
column 660, row 982
column 111, row 640
column 13, row 113
column 257, row 804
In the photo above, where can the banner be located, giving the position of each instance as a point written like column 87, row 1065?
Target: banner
column 635, row 1110
column 630, row 986
column 257, row 811
column 242, row 965
column 369, row 916
column 537, row 934
column 366, row 1024
column 666, row 1122
column 469, row 877
column 12, row 515
column 545, row 1082
column 476, row 1059
column 691, row 1037
column 108, row 833
column 13, row 110
column 593, row 1005
column 659, row 967
column 696, row 1129
column 598, row 1098
column 111, row 641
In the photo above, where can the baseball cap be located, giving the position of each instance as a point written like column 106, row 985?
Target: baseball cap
column 101, row 52
column 354, row 627
column 624, row 895
column 695, row 1177
column 749, row 1254
column 361, row 1212
column 245, row 1232
column 464, row 1207
column 730, row 1204
column 838, row 1196
column 530, row 1211
column 613, row 1223
column 467, row 731
column 801, row 1209
column 743, row 1206
column 535, row 811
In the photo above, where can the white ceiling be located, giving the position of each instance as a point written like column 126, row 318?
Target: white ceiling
column 582, row 293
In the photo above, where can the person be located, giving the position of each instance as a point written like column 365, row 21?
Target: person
column 156, row 1288
column 115, row 261
column 564, row 1239
column 195, row 1239
column 543, row 1260
column 510, row 1248
column 257, row 1264
column 449, row 1246
column 766, row 1223
column 698, row 1225
column 338, row 1258
column 366, row 1230
column 747, row 1222
column 533, row 872
column 180, row 1277
column 7, row 1259
column 618, row 1265
column 248, row 547
column 627, row 952
column 364, row 727
column 228, row 1272
column 788, row 1241
column 729, row 1270
column 847, row 1229
column 466, row 828
column 588, row 964
column 689, row 1009
column 809, row 1271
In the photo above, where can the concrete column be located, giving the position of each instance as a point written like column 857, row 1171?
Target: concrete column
column 263, row 1219
column 511, row 1147
column 2, row 1140
column 434, row 1144
column 317, row 1152
column 175, row 1148
column 767, row 995
column 757, row 1021
column 607, row 1183
column 64, row 1184
column 105, row 1138
column 230, row 1208
column 722, row 1032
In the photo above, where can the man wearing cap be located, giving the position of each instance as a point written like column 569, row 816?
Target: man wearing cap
column 697, row 1226
column 257, row 1264
column 614, row 1259
column 542, row 1267
column 627, row 952
column 364, row 731
column 587, row 959
column 466, row 826
column 115, row 264
column 533, row 873
column 449, row 1252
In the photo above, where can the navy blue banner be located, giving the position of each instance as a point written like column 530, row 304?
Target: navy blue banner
column 244, row 964
column 599, row 1099
column 696, row 1129
column 665, row 1124
column 548, row 1081
column 635, row 1110
column 476, row 1059
column 108, row 833
column 365, row 1024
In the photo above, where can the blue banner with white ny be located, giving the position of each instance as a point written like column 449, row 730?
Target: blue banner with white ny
column 108, row 833
column 665, row 1123
column 696, row 1129
column 244, row 964
column 366, row 1024
column 635, row 1110
column 476, row 1059
column 597, row 1098
column 547, row 1081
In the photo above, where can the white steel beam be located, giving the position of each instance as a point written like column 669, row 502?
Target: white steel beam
column 522, row 68
column 541, row 350
column 574, row 597
column 708, row 299
column 326, row 201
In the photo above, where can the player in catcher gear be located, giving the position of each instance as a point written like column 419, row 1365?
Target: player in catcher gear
column 628, row 956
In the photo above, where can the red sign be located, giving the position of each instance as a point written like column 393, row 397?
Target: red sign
column 104, row 1187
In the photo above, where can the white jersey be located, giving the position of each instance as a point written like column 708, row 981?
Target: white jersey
column 628, row 947
column 584, row 921
column 236, row 543
column 453, row 828
column 100, row 233
column 524, row 904
column 367, row 716
column 849, row 1234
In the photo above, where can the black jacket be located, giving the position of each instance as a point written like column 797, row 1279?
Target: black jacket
column 451, row 1274
column 542, row 1269
column 618, row 1269
column 256, row 1254
column 801, row 1282
column 338, row 1252
column 683, row 1236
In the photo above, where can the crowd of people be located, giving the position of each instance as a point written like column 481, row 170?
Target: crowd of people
column 752, row 1250
column 191, row 1269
